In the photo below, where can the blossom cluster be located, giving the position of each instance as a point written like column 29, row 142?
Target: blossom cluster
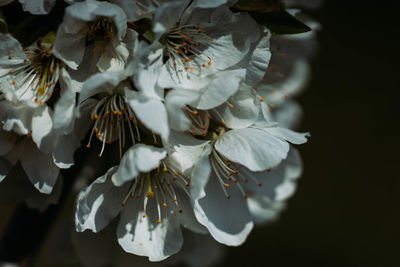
column 189, row 99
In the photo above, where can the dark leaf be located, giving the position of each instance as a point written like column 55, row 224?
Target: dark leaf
column 259, row 5
column 280, row 22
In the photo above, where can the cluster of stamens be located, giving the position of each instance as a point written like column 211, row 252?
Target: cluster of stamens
column 114, row 120
column 100, row 32
column 200, row 119
column 184, row 43
column 35, row 75
column 158, row 186
column 229, row 173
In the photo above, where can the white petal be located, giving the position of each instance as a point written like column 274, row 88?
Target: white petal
column 69, row 47
column 185, row 150
column 65, row 111
column 231, row 37
column 64, row 149
column 138, row 159
column 144, row 236
column 150, row 111
column 263, row 209
column 42, row 125
column 175, row 102
column 147, row 68
column 227, row 220
column 37, row 7
column 252, row 147
column 257, row 60
column 200, row 175
column 165, row 19
column 100, row 83
column 221, row 87
column 16, row 118
column 288, row 135
column 99, row 203
column 39, row 168
column 288, row 114
column 245, row 110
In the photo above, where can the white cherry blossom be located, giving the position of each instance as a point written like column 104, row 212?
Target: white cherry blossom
column 226, row 172
column 98, row 28
column 199, row 42
column 152, row 198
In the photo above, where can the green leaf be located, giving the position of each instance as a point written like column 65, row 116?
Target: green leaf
column 280, row 22
column 259, row 5
column 3, row 26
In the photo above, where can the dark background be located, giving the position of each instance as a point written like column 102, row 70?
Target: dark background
column 346, row 211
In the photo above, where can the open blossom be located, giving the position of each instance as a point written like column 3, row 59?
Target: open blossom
column 199, row 42
column 288, row 74
column 226, row 174
column 30, row 74
column 152, row 198
column 39, row 132
column 97, row 28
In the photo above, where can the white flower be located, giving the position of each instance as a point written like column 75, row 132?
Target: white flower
column 121, row 110
column 193, row 112
column 199, row 42
column 28, row 75
column 288, row 74
column 152, row 199
column 94, row 27
column 37, row 7
column 28, row 78
column 226, row 172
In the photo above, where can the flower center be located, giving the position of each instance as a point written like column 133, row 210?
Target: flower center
column 34, row 77
column 100, row 32
column 114, row 120
column 184, row 45
column 159, row 187
column 228, row 172
column 200, row 120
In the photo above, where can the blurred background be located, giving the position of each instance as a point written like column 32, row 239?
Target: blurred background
column 346, row 209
